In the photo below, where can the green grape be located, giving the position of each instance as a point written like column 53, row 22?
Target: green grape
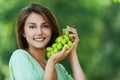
column 49, row 48
column 54, row 45
column 51, row 53
column 59, row 39
column 68, row 47
column 69, row 43
column 62, row 40
column 59, row 46
column 48, row 54
column 56, row 50
column 65, row 32
column 66, row 37
column 71, row 38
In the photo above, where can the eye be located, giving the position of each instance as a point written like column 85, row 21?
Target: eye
column 32, row 27
column 46, row 26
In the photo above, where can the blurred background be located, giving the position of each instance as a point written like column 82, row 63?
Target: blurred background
column 98, row 25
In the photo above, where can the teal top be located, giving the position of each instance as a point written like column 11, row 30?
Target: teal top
column 23, row 66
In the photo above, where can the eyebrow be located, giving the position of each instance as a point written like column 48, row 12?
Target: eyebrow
column 31, row 23
column 45, row 22
column 35, row 23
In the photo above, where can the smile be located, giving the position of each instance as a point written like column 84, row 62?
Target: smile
column 39, row 39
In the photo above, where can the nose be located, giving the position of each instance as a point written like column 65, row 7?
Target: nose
column 39, row 31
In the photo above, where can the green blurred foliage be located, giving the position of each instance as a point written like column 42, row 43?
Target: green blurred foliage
column 98, row 25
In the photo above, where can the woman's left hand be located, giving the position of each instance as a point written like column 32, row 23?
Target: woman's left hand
column 74, row 34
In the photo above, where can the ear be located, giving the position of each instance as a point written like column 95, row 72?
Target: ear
column 24, row 35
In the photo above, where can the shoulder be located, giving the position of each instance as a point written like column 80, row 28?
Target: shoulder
column 19, row 52
column 20, row 64
column 18, row 55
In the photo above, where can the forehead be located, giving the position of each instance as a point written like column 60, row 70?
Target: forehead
column 35, row 17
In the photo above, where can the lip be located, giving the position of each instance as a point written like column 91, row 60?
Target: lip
column 39, row 39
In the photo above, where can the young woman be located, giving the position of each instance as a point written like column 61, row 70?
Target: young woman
column 37, row 29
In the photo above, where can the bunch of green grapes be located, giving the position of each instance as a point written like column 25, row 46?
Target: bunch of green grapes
column 60, row 42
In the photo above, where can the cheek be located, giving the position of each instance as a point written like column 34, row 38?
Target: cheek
column 28, row 34
column 49, row 34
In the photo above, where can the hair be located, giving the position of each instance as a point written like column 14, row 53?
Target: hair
column 46, row 13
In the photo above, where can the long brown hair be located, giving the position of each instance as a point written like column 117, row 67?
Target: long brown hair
column 46, row 13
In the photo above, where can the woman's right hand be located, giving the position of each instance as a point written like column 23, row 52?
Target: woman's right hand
column 55, row 58
column 60, row 55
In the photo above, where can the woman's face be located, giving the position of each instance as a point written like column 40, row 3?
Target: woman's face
column 37, row 31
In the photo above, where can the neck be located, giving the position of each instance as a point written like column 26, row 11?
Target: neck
column 38, row 54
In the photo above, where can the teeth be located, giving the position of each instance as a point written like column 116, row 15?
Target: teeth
column 39, row 38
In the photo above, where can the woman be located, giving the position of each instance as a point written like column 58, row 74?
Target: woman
column 37, row 29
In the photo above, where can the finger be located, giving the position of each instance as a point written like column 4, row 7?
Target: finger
column 69, row 50
column 74, row 35
column 63, row 49
column 71, row 29
column 60, row 55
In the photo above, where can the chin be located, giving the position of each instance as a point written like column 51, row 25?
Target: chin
column 40, row 47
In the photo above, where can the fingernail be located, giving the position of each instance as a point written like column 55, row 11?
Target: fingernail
column 68, row 26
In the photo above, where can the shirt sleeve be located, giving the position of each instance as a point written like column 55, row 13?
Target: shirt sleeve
column 63, row 73
column 20, row 67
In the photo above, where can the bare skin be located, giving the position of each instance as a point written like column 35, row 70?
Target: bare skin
column 38, row 33
column 72, row 55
